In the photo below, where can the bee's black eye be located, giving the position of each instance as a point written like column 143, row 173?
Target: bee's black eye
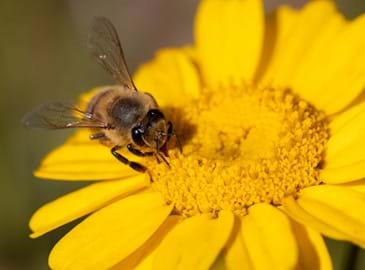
column 137, row 133
column 154, row 114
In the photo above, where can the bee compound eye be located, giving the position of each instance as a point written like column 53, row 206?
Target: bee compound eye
column 155, row 114
column 137, row 134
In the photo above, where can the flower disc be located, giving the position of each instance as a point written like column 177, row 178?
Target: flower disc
column 241, row 146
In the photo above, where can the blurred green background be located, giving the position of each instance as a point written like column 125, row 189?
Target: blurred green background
column 43, row 57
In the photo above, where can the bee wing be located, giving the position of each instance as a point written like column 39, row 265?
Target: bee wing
column 60, row 115
column 105, row 46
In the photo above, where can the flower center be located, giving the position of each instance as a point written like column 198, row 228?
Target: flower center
column 241, row 147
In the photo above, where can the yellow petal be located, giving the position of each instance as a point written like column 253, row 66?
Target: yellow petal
column 218, row 263
column 340, row 121
column 332, row 210
column 195, row 243
column 299, row 34
column 278, row 26
column 345, row 156
column 267, row 234
column 229, row 37
column 171, row 77
column 292, row 208
column 236, row 254
column 346, row 145
column 313, row 253
column 110, row 234
column 82, row 159
column 143, row 257
column 357, row 185
column 320, row 47
column 343, row 78
column 82, row 202
column 347, row 173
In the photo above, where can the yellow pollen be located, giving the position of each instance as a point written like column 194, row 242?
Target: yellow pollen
column 241, row 146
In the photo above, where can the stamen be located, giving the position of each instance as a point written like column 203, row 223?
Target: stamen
column 241, row 146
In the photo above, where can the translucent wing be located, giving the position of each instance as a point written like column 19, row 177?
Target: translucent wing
column 59, row 115
column 105, row 46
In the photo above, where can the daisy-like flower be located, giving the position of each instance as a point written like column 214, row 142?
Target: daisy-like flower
column 272, row 121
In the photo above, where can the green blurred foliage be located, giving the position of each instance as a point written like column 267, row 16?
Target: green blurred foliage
column 43, row 58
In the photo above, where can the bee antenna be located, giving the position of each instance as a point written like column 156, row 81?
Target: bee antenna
column 176, row 137
column 178, row 142
column 159, row 154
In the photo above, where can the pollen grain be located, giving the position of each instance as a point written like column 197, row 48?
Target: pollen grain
column 242, row 147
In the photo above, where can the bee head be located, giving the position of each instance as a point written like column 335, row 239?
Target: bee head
column 152, row 131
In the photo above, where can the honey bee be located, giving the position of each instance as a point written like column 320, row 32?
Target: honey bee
column 119, row 116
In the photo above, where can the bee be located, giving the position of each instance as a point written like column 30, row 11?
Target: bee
column 119, row 116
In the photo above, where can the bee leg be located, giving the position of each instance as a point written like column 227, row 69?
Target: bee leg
column 96, row 136
column 137, row 152
column 164, row 148
column 134, row 165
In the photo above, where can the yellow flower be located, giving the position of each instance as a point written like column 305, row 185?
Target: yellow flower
column 272, row 120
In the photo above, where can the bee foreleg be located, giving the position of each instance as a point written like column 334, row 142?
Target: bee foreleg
column 96, row 136
column 137, row 152
column 134, row 165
